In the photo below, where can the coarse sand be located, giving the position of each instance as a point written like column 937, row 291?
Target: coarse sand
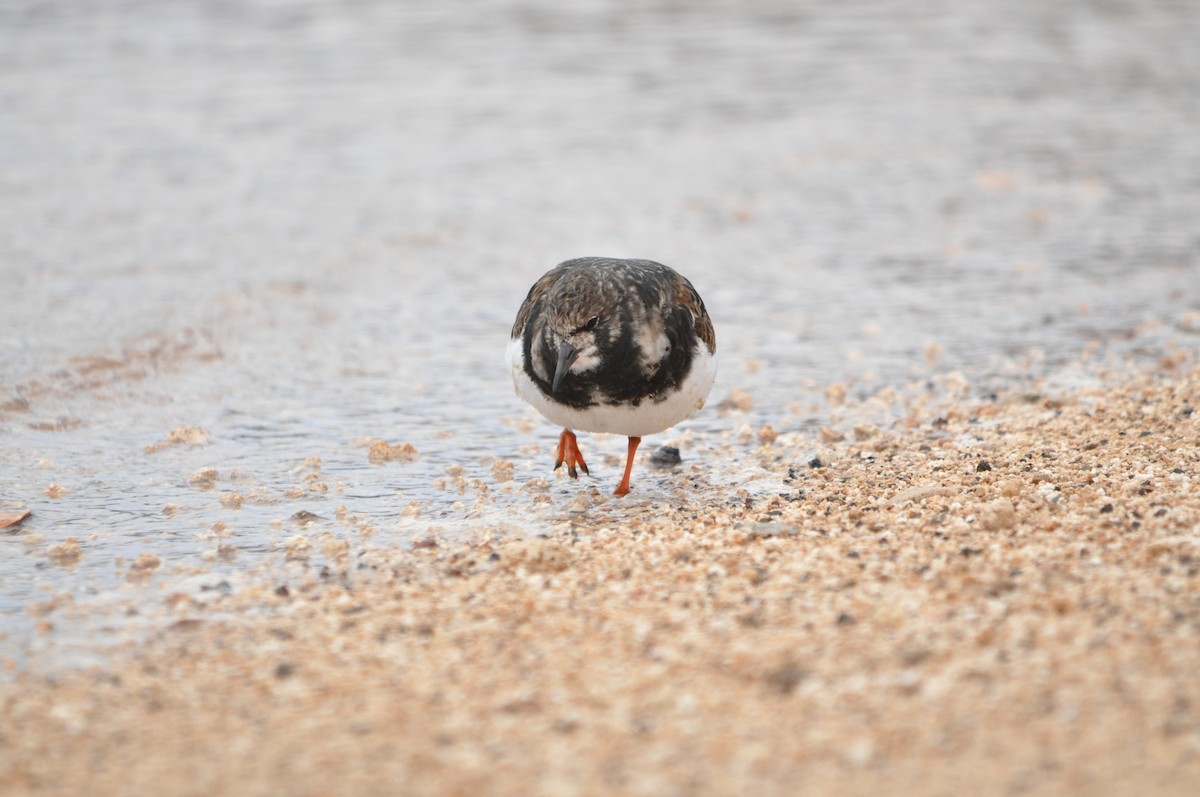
column 981, row 597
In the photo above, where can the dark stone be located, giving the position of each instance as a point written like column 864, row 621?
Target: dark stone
column 983, row 465
column 665, row 457
column 786, row 678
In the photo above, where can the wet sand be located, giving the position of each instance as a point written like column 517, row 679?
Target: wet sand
column 982, row 596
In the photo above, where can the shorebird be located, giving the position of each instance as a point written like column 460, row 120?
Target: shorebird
column 612, row 346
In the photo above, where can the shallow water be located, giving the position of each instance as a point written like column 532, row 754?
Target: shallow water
column 299, row 227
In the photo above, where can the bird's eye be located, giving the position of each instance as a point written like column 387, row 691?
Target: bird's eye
column 591, row 324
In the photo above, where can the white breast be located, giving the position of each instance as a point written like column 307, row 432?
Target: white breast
column 647, row 418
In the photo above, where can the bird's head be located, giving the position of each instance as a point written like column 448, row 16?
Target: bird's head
column 571, row 339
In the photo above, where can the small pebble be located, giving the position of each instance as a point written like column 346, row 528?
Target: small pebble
column 203, row 479
column 66, row 552
column 737, row 401
column 503, row 471
column 143, row 567
column 297, row 547
column 381, row 451
column 665, row 457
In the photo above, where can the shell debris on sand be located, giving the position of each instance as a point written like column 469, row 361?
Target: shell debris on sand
column 204, row 479
column 13, row 518
column 66, row 552
column 181, row 436
column 381, row 451
column 297, row 547
column 738, row 400
column 892, row 619
column 998, row 515
column 503, row 471
column 143, row 567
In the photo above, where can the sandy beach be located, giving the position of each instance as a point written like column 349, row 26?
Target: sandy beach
column 273, row 522
column 984, row 597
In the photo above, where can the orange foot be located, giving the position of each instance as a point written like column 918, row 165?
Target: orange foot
column 568, row 452
column 623, row 487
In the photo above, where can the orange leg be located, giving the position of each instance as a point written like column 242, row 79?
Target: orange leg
column 568, row 451
column 623, row 487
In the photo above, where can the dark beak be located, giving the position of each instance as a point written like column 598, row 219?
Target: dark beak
column 566, row 355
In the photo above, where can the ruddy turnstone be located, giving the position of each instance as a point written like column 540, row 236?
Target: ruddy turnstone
column 614, row 346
